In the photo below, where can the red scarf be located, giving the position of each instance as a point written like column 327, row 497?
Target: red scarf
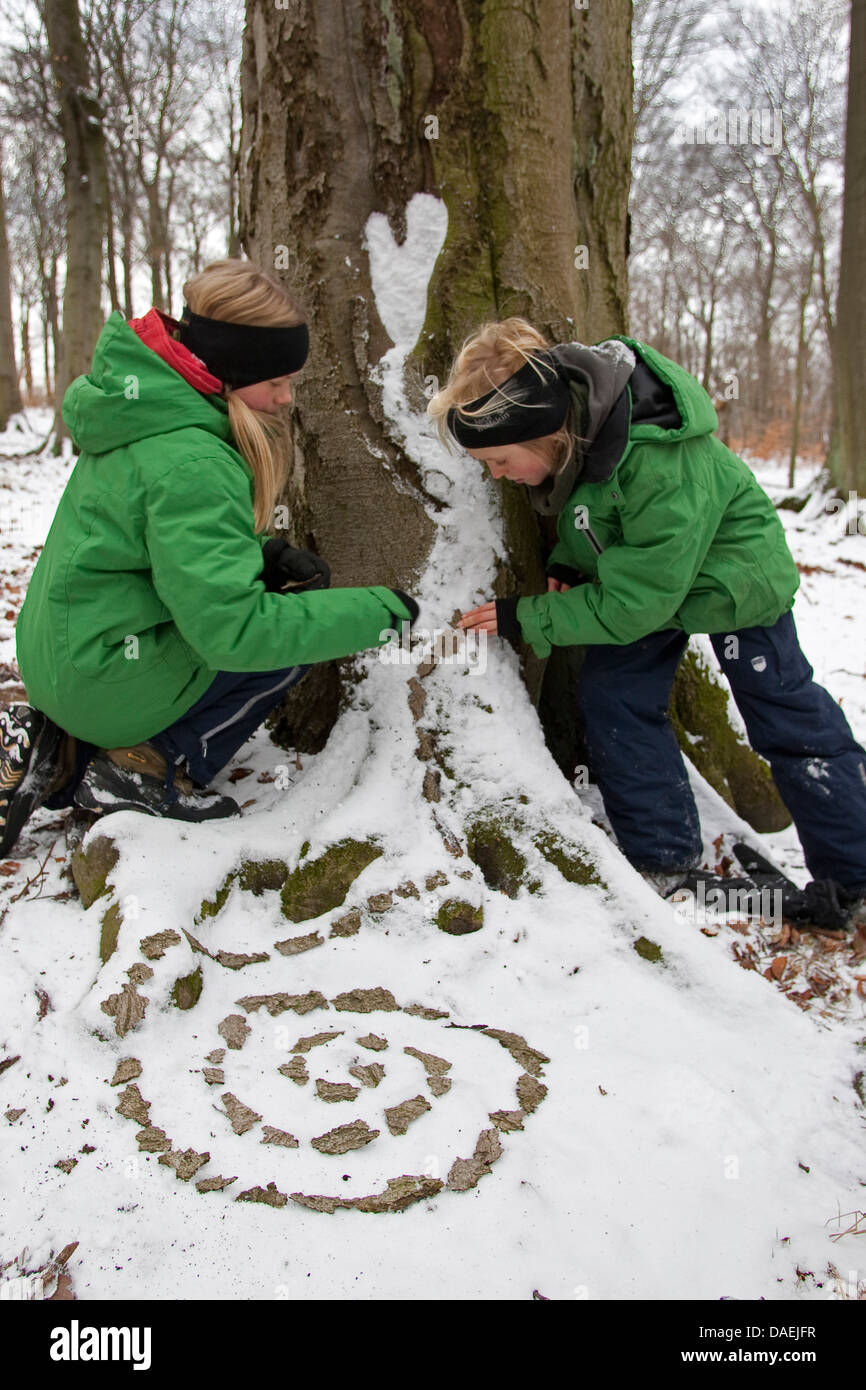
column 155, row 331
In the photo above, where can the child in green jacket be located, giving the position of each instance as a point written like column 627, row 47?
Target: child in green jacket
column 662, row 531
column 161, row 624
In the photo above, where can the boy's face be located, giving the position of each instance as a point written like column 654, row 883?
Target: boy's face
column 514, row 462
column 267, row 395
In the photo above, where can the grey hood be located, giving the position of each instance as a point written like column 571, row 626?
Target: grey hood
column 597, row 379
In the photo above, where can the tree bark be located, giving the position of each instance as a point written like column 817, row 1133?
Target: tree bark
column 848, row 464
column 10, row 395
column 85, row 197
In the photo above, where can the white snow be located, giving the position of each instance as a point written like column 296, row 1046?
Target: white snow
column 700, row 1134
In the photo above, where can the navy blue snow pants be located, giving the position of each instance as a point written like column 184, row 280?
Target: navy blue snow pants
column 211, row 731
column 817, row 764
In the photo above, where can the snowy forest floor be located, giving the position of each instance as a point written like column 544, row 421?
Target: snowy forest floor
column 595, row 1095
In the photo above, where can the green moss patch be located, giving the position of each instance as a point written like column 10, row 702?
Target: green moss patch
column 91, row 864
column 112, row 921
column 699, row 707
column 648, row 949
column 573, row 866
column 258, row 876
column 322, row 884
column 186, row 992
column 459, row 918
column 490, row 847
column 211, row 906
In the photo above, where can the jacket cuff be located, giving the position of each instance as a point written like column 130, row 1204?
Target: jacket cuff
column 506, row 617
column 411, row 606
column 567, row 574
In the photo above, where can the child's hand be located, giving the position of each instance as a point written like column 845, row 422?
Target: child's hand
column 481, row 619
column 556, row 586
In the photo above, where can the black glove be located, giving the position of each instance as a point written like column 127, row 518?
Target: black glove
column 288, row 570
column 566, row 575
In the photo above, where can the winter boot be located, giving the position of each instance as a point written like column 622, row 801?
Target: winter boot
column 33, row 764
column 663, row 881
column 823, row 905
column 140, row 779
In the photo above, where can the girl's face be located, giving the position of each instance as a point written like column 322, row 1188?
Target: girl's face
column 514, row 462
column 267, row 395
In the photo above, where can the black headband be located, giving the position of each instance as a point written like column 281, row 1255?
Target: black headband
column 241, row 354
column 533, row 403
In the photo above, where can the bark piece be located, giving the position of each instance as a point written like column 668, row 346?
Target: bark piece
column 214, row 1184
column 530, row 1093
column 270, row 1195
column 315, row 1040
column 294, row 945
column 186, row 1163
column 336, row 1090
column 373, row 1042
column 241, row 1116
column 507, row 1120
column 133, row 1106
column 214, row 1076
column 235, row 1030
column 347, row 925
column 345, row 1138
column 437, row 880
column 430, row 1062
column 465, row 1172
column 236, row 960
column 369, row 1075
column 270, row 1135
column 380, row 902
column 279, row 1003
column 407, row 890
column 66, row 1165
column 431, row 789
column 153, row 1140
column 295, row 1070
column 128, row 1068
column 127, row 1009
column 216, row 1056
column 139, row 972
column 155, row 947
column 13, row 1115
column 417, row 697
column 422, row 1011
column 523, row 1054
column 365, row 1001
column 399, row 1117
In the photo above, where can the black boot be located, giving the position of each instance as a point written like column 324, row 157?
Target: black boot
column 139, row 779
column 30, row 756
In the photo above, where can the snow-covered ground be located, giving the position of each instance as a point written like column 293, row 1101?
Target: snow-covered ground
column 689, row 1129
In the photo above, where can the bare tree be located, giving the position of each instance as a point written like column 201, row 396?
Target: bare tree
column 848, row 461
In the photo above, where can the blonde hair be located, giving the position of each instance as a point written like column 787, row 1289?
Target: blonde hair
column 487, row 358
column 238, row 291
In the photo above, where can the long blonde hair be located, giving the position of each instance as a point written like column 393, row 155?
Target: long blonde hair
column 487, row 358
column 238, row 291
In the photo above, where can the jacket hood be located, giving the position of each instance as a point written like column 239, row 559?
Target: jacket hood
column 627, row 391
column 131, row 393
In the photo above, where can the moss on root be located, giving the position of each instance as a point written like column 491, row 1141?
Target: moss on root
column 568, row 860
column 112, row 921
column 489, row 846
column 186, row 992
column 91, row 864
column 459, row 918
column 322, row 884
column 211, row 906
column 647, row 949
column 699, row 706
column 258, row 875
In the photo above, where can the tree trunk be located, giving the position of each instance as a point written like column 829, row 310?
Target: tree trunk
column 85, row 197
column 10, row 395
column 849, row 462
column 520, row 121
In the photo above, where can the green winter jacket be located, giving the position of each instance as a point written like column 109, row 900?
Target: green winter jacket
column 149, row 580
column 671, row 527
